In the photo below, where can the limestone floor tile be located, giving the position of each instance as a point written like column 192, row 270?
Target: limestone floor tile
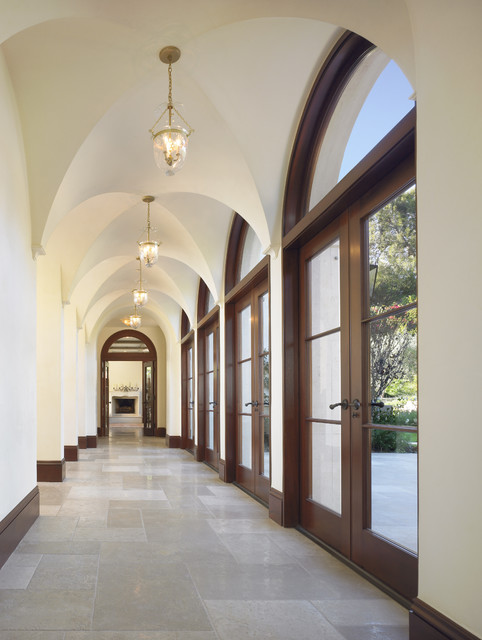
column 246, row 525
column 70, row 572
column 51, row 529
column 103, row 534
column 147, row 597
column 37, row 610
column 363, row 612
column 145, row 505
column 53, row 493
column 49, row 509
column 345, row 584
column 69, row 548
column 230, row 580
column 125, row 518
column 375, row 632
column 243, row 512
column 255, row 548
column 279, row 620
column 116, row 493
column 295, row 543
column 32, row 635
column 141, row 635
column 15, row 577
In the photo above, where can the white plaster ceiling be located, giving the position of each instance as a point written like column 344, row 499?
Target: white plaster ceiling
column 88, row 81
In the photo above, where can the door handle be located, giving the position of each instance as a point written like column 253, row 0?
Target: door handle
column 213, row 403
column 344, row 404
column 377, row 404
column 255, row 403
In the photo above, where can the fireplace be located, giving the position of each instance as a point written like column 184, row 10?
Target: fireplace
column 125, row 405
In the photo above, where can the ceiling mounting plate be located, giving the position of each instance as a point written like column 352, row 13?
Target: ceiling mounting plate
column 169, row 55
column 148, row 199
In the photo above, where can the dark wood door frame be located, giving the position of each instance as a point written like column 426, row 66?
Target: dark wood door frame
column 105, row 356
column 187, row 410
column 211, row 457
column 400, row 175
column 227, row 467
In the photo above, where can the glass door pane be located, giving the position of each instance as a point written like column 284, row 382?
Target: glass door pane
column 324, row 365
column 391, row 341
column 264, row 385
column 245, row 388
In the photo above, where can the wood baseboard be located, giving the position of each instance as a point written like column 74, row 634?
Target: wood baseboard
column 427, row 623
column 16, row 524
column 222, row 470
column 276, row 502
column 91, row 442
column 71, row 453
column 51, row 470
column 173, row 442
column 161, row 432
column 82, row 442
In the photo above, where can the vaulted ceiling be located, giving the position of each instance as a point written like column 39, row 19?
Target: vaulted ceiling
column 88, row 83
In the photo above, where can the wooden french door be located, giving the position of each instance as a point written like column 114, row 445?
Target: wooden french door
column 105, row 404
column 358, row 359
column 149, row 398
column 188, row 396
column 253, row 392
column 211, row 394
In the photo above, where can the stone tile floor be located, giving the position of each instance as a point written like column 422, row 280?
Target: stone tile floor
column 142, row 543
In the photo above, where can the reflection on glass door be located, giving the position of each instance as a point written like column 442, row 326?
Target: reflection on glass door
column 253, row 392
column 148, row 392
column 105, row 409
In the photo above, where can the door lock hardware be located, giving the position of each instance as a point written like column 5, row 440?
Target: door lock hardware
column 213, row 403
column 255, row 403
column 344, row 404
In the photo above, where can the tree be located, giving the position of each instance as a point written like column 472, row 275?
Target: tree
column 392, row 249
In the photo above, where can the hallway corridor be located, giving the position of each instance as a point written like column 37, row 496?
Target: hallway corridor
column 141, row 542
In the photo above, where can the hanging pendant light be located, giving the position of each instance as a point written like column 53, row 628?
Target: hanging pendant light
column 149, row 249
column 135, row 319
column 170, row 132
column 140, row 294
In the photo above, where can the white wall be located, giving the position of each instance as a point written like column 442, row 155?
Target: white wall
column 449, row 158
column 17, row 324
column 125, row 373
column 81, row 397
column 49, row 361
column 70, row 371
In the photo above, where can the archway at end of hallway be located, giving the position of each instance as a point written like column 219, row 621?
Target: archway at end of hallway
column 130, row 346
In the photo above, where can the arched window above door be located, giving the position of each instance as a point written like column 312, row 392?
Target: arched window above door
column 358, row 96
column 128, row 345
column 375, row 99
column 244, row 252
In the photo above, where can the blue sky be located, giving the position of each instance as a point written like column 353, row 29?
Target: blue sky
column 385, row 105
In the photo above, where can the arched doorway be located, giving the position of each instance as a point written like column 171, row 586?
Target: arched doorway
column 130, row 346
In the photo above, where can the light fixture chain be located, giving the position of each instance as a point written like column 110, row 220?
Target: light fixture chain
column 169, row 96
